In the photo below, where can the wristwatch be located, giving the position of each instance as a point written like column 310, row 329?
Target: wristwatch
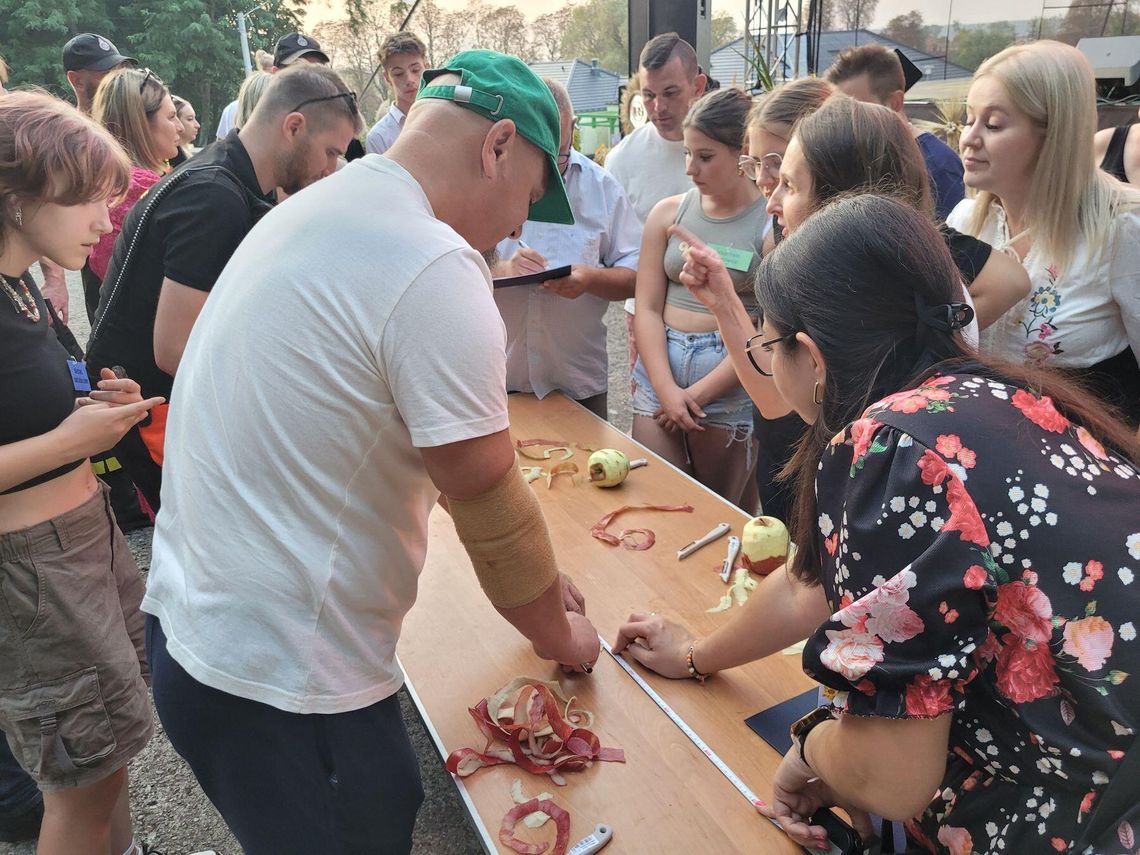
column 804, row 726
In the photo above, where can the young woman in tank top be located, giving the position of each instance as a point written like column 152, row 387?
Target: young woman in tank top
column 688, row 404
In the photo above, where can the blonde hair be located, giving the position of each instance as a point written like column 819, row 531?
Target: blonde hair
column 1070, row 201
column 787, row 104
column 3, row 71
column 263, row 60
column 125, row 111
column 252, row 88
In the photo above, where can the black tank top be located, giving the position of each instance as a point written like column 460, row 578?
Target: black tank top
column 1113, row 162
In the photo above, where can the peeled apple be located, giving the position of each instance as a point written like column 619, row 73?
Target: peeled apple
column 608, row 467
column 764, row 544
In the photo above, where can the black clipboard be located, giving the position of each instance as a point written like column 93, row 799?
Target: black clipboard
column 533, row 278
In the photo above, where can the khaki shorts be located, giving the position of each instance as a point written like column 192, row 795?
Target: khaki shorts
column 73, row 701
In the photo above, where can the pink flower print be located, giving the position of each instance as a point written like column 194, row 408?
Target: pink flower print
column 1025, row 611
column 1052, row 271
column 957, row 840
column 1025, row 670
column 967, row 458
column 964, row 516
column 934, row 468
column 862, row 432
column 948, row 445
column 1038, row 351
column 975, row 577
column 851, row 653
column 928, row 698
column 894, row 622
column 1045, row 330
column 1040, row 411
column 1089, row 641
column 884, row 611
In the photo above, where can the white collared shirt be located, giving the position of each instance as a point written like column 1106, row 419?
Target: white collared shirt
column 554, row 343
column 1072, row 318
column 385, row 131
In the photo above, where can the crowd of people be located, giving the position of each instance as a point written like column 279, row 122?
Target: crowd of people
column 927, row 365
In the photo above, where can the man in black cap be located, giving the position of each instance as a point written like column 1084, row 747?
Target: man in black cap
column 87, row 59
column 295, row 46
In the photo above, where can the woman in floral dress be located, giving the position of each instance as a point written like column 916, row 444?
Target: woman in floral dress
column 1028, row 152
column 968, row 537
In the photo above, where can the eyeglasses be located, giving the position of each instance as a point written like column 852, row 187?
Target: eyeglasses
column 760, row 353
column 149, row 75
column 350, row 97
column 752, row 167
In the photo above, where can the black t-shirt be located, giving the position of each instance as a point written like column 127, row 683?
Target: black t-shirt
column 192, row 231
column 969, row 254
column 36, row 389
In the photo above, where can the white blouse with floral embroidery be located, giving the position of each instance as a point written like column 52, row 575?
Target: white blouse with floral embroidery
column 1073, row 318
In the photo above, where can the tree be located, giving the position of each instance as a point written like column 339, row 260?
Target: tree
column 724, row 29
column 972, row 46
column 504, row 28
column 853, row 14
column 598, row 29
column 546, row 32
column 907, row 29
column 1099, row 18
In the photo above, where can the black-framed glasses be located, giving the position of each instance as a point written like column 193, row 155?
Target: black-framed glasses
column 761, row 352
column 350, row 97
column 768, row 164
column 149, row 75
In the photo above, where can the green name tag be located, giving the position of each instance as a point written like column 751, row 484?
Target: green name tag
column 734, row 259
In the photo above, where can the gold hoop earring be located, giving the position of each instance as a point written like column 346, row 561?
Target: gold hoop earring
column 816, row 397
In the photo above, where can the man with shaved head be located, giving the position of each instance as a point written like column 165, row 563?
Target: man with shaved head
column 347, row 373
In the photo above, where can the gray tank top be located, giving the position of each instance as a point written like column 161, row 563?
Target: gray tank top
column 744, row 233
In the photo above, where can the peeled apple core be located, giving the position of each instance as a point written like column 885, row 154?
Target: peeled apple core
column 764, row 544
column 608, row 467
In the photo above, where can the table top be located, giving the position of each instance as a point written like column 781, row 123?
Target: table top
column 455, row 649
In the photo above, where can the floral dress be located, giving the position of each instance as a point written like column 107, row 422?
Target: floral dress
column 980, row 554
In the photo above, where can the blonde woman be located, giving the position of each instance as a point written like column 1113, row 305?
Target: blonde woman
column 188, row 120
column 135, row 106
column 1028, row 152
column 252, row 88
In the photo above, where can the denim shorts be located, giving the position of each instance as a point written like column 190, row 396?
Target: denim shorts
column 73, row 702
column 691, row 357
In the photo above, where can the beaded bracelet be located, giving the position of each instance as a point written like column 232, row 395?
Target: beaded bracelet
column 693, row 672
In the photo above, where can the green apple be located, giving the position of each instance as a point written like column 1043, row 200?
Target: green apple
column 608, row 467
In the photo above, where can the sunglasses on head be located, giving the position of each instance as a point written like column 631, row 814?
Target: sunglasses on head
column 350, row 97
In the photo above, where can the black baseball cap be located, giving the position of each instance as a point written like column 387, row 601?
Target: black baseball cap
column 92, row 52
column 292, row 47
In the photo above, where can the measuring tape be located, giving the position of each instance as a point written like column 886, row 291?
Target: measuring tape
column 724, row 768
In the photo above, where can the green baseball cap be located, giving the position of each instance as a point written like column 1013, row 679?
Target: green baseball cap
column 498, row 86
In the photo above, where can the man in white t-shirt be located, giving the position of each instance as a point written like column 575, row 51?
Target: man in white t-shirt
column 650, row 162
column 556, row 339
column 402, row 58
column 347, row 370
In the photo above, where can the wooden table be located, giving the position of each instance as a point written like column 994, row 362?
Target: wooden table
column 667, row 797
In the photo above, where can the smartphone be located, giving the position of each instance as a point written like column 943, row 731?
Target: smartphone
column 844, row 839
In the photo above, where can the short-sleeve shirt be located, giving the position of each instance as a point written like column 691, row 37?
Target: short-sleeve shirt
column 385, row 131
column 191, row 234
column 981, row 554
column 946, row 174
column 350, row 329
column 556, row 343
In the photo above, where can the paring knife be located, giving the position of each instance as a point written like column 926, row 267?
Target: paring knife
column 594, row 842
column 688, row 549
column 730, row 559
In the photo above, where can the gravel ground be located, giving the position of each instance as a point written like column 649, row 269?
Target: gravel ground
column 172, row 814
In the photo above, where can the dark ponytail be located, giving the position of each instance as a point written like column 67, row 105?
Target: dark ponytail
column 855, row 277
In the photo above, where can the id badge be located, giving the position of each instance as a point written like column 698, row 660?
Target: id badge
column 733, row 258
column 79, row 378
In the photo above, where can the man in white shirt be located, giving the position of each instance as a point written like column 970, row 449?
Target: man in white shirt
column 402, row 57
column 650, row 162
column 556, row 339
column 347, row 373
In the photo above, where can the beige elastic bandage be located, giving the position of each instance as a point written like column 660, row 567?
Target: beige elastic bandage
column 505, row 534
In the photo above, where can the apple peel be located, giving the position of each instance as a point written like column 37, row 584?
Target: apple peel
column 742, row 584
column 565, row 468
column 518, row 812
column 628, row 538
column 532, row 820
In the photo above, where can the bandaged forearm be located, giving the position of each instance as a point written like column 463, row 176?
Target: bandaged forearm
column 504, row 533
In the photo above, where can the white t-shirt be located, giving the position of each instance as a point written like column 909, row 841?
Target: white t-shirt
column 350, row 328
column 650, row 168
column 1072, row 318
column 385, row 131
column 226, row 122
column 557, row 343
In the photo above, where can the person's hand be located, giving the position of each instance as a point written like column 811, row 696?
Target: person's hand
column 572, row 598
column 704, row 273
column 679, row 409
column 526, row 261
column 113, row 390
column 797, row 793
column 55, row 287
column 581, row 651
column 658, row 643
column 97, row 426
column 571, row 287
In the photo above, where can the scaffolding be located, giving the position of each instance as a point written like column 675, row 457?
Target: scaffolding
column 777, row 35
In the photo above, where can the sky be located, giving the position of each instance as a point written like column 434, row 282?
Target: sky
column 933, row 11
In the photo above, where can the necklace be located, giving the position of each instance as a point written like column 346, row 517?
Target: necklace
column 23, row 300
